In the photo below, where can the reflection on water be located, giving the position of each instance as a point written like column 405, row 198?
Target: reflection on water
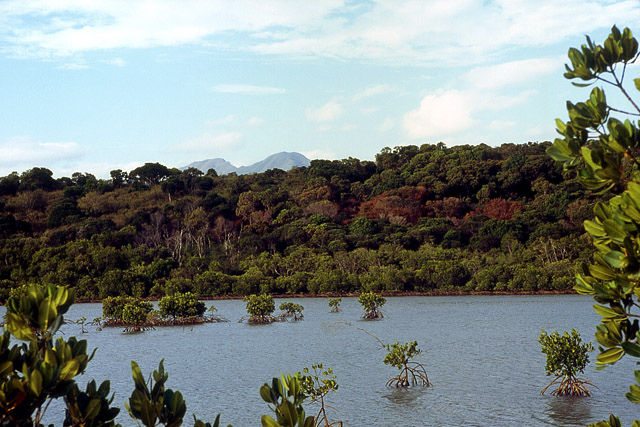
column 568, row 411
column 408, row 398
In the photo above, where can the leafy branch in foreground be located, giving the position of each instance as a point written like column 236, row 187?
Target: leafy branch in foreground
column 316, row 384
column 605, row 152
column 286, row 395
column 567, row 356
column 411, row 373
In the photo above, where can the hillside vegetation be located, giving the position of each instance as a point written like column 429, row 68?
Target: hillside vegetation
column 427, row 219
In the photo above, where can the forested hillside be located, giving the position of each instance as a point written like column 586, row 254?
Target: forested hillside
column 428, row 218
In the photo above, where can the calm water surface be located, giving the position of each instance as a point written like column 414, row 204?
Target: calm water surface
column 480, row 352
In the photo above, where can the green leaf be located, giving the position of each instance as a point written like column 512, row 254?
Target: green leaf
column 69, row 369
column 614, row 258
column 267, row 421
column 606, row 312
column 610, row 356
column 35, row 383
column 632, row 349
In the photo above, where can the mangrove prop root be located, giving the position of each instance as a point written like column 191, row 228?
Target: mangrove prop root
column 414, row 375
column 570, row 386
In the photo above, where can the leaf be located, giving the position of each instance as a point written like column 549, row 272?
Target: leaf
column 35, row 383
column 610, row 356
column 614, row 258
column 267, row 421
column 606, row 312
column 69, row 369
column 632, row 349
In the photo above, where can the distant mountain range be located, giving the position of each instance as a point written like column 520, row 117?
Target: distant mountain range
column 283, row 160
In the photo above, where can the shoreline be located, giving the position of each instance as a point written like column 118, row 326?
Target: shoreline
column 438, row 293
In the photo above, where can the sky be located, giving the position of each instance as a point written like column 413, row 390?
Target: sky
column 93, row 86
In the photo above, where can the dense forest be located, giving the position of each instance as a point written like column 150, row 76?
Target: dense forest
column 417, row 219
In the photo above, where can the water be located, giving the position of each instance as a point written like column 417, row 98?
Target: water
column 480, row 352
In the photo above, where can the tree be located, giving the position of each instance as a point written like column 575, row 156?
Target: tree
column 334, row 303
column 605, row 152
column 181, row 305
column 372, row 303
column 150, row 174
column 567, row 356
column 411, row 373
column 260, row 308
column 291, row 309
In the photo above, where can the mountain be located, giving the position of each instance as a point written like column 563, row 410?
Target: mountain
column 283, row 160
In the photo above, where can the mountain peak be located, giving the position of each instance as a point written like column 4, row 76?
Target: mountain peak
column 283, row 160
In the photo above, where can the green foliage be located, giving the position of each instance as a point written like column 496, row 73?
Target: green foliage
column 260, row 307
column 291, row 309
column 286, row 394
column 399, row 354
column 372, row 304
column 181, row 305
column 33, row 374
column 604, row 152
column 334, row 303
column 317, row 382
column 566, row 354
column 411, row 373
column 90, row 407
column 154, row 404
column 125, row 310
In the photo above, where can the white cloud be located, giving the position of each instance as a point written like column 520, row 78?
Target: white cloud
column 372, row 91
column 74, row 66
column 208, row 142
column 319, row 154
column 441, row 113
column 24, row 150
column 417, row 31
column 329, row 112
column 117, row 62
column 248, row 89
column 512, row 73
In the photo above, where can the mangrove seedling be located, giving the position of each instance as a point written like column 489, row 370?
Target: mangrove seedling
column 291, row 310
column 260, row 308
column 372, row 304
column 567, row 356
column 411, row 373
column 316, row 384
column 334, row 303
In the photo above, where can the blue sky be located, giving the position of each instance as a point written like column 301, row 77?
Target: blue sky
column 92, row 86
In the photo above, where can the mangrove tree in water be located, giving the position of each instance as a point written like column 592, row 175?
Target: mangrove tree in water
column 411, row 373
column 567, row 356
column 372, row 304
